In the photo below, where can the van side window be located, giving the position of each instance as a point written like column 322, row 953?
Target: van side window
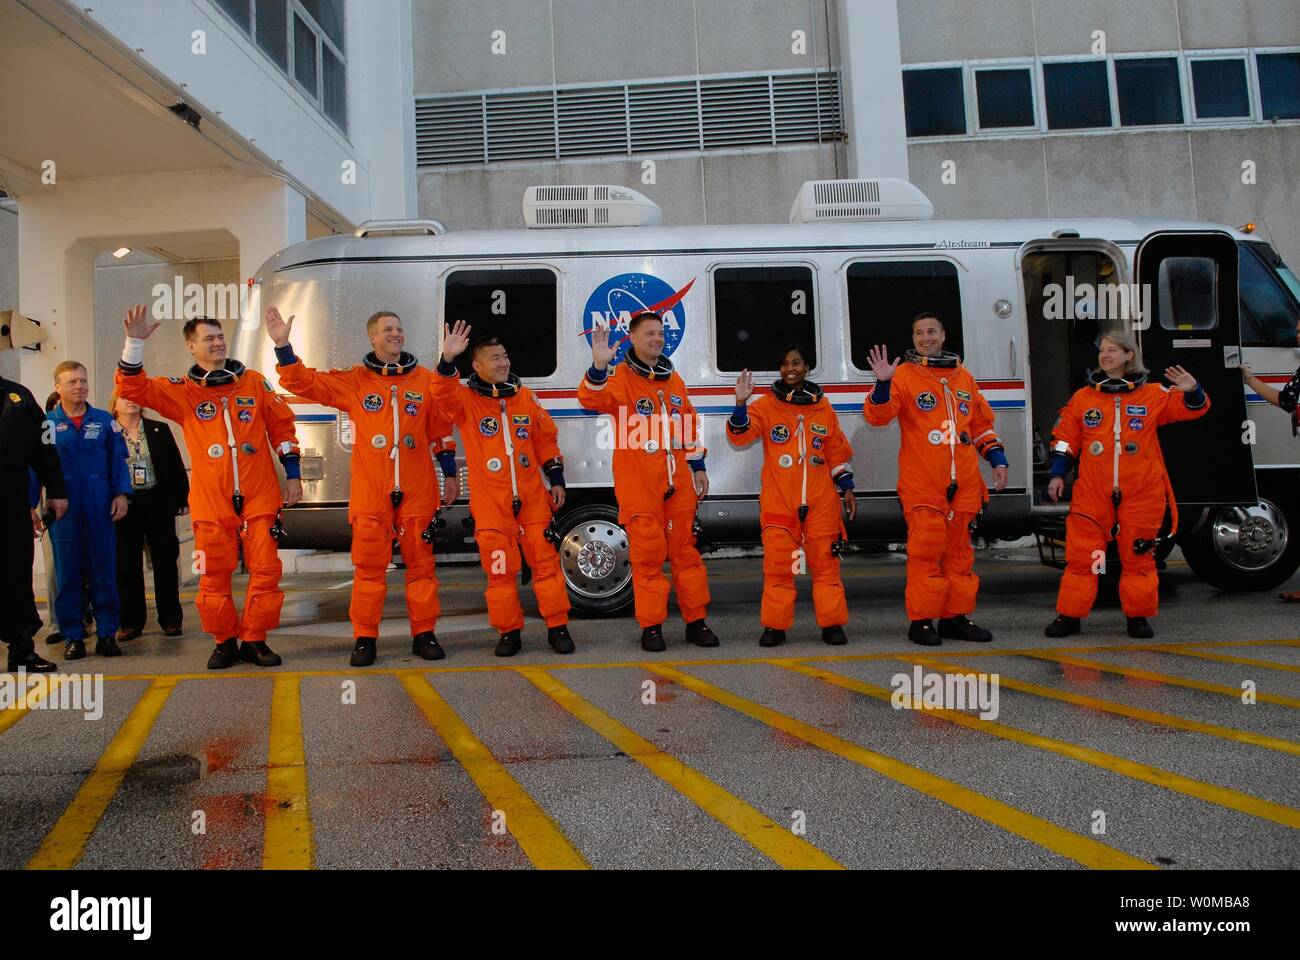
column 760, row 310
column 1187, row 293
column 519, row 306
column 1268, row 314
column 884, row 297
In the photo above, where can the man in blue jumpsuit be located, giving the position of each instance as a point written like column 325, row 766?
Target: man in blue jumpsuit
column 93, row 454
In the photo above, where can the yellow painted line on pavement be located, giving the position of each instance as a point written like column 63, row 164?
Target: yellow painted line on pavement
column 34, row 696
column 537, row 834
column 1156, row 776
column 1165, row 678
column 1044, row 833
column 1122, row 709
column 287, row 839
column 1187, row 651
column 760, row 831
column 64, row 845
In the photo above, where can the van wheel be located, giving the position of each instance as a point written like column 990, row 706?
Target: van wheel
column 596, row 561
column 1248, row 548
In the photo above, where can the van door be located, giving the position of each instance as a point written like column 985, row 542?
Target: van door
column 1188, row 296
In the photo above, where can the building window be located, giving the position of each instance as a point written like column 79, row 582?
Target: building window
column 1219, row 88
column 1005, row 98
column 934, row 102
column 305, row 39
column 884, row 298
column 519, row 306
column 1279, row 85
column 758, row 311
column 1077, row 95
column 1150, row 92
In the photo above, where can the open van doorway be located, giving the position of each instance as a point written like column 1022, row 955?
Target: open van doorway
column 1067, row 311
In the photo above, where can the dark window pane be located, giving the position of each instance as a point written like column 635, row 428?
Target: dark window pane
column 335, row 78
column 1149, row 92
column 1268, row 315
column 239, row 12
column 273, row 31
column 760, row 310
column 884, row 297
column 1187, row 293
column 329, row 14
column 1077, row 94
column 1220, row 88
column 1006, row 98
column 934, row 102
column 304, row 55
column 519, row 306
column 1279, row 85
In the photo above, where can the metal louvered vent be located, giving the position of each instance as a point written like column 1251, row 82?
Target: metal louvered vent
column 653, row 116
column 847, row 191
column 842, row 213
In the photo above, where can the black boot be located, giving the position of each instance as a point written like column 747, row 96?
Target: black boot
column 55, row 638
column 225, row 655
column 1063, row 626
column 559, row 639
column 74, row 650
column 1139, row 629
column 922, row 632
column 256, row 651
column 22, row 654
column 363, row 654
column 425, row 646
column 509, row 644
column 834, row 636
column 698, row 633
column 128, row 633
column 107, row 647
column 960, row 628
column 652, row 639
column 771, row 638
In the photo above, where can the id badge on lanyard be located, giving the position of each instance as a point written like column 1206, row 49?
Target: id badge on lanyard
column 139, row 476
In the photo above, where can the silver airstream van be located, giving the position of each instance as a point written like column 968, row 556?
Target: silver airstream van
column 1023, row 302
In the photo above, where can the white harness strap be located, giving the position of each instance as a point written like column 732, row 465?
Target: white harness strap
column 230, row 442
column 397, row 460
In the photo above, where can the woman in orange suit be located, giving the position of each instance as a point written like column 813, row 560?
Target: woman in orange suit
column 1123, row 489
column 806, row 470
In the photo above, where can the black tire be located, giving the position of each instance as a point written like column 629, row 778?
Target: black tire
column 596, row 562
column 1257, row 548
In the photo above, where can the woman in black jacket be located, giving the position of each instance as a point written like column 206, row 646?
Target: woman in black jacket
column 160, row 490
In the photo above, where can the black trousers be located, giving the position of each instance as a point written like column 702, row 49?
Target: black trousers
column 18, row 617
column 148, row 521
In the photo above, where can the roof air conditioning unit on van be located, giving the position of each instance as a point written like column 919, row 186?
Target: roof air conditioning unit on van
column 589, row 206
column 884, row 199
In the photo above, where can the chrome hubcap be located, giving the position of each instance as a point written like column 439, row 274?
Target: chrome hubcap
column 1250, row 538
column 595, row 558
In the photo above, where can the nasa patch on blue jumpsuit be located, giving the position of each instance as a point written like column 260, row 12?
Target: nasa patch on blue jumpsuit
column 412, row 409
column 1092, row 417
column 489, row 426
column 92, row 430
column 245, row 416
column 372, row 402
column 1137, row 423
column 645, row 407
column 61, row 427
column 780, row 433
column 206, row 410
column 926, row 401
column 1135, row 410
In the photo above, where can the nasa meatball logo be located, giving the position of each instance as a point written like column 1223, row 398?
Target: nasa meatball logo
column 780, row 433
column 521, row 433
column 817, row 443
column 245, row 416
column 489, row 426
column 621, row 297
column 645, row 406
column 373, row 402
column 411, row 409
column 206, row 410
column 926, row 401
column 964, row 407
column 1092, row 417
column 1136, row 423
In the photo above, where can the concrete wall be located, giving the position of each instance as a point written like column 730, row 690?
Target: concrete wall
column 551, row 42
column 1193, row 174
